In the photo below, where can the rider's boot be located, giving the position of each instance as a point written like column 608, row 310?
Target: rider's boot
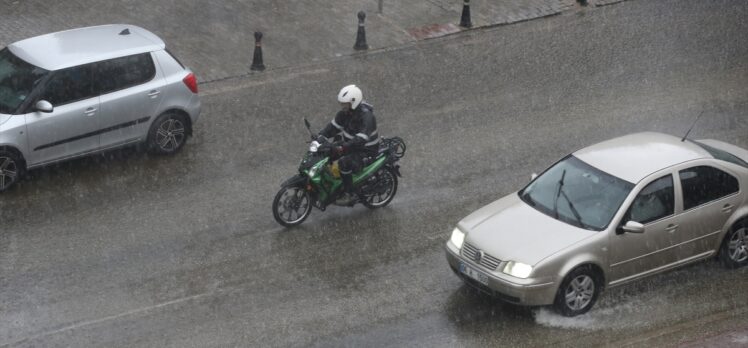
column 347, row 196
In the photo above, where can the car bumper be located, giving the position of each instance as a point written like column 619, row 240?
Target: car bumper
column 193, row 108
column 528, row 292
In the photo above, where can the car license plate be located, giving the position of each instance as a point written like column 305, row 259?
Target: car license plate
column 473, row 273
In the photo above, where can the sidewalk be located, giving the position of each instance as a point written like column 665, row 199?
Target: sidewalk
column 216, row 40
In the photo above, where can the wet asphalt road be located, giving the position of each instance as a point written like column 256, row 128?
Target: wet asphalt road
column 132, row 250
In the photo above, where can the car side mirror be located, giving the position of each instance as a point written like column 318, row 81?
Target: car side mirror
column 631, row 227
column 43, row 106
column 533, row 176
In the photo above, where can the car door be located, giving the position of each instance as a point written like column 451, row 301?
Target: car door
column 635, row 254
column 72, row 126
column 130, row 89
column 710, row 195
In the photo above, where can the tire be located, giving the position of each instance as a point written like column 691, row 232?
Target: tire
column 168, row 134
column 578, row 292
column 734, row 250
column 295, row 201
column 11, row 169
column 380, row 189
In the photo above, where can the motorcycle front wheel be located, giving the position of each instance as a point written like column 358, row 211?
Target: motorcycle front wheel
column 380, row 189
column 291, row 206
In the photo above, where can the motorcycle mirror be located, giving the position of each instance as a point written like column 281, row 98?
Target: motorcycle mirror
column 309, row 128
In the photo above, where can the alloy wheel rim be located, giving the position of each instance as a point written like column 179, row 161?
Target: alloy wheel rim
column 170, row 134
column 736, row 247
column 294, row 202
column 579, row 292
column 8, row 172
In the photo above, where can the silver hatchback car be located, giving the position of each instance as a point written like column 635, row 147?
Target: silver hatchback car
column 606, row 215
column 82, row 91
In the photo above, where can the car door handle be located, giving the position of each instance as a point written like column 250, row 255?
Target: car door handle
column 154, row 93
column 90, row 111
column 727, row 208
column 671, row 228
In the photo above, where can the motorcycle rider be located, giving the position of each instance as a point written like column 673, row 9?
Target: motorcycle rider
column 356, row 122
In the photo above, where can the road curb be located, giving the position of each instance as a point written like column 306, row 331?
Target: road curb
column 445, row 34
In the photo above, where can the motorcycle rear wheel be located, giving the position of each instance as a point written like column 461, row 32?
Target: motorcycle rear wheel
column 380, row 190
column 292, row 205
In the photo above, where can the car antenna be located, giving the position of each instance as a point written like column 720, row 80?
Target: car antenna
column 125, row 32
column 694, row 124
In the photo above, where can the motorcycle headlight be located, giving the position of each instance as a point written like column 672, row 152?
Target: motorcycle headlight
column 517, row 269
column 457, row 238
column 313, row 171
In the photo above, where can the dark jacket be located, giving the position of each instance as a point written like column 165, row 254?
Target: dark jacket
column 358, row 127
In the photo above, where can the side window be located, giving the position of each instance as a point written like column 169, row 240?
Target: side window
column 655, row 201
column 705, row 184
column 70, row 85
column 120, row 73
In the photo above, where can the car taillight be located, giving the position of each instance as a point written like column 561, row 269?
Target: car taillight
column 191, row 82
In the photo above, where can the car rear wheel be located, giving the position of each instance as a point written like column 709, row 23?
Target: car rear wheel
column 11, row 169
column 734, row 250
column 578, row 292
column 167, row 134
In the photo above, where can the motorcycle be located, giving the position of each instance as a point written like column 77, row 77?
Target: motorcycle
column 318, row 183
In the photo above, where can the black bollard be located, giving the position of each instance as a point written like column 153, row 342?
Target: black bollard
column 257, row 58
column 361, row 34
column 465, row 19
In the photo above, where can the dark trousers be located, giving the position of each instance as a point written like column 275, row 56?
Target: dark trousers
column 351, row 163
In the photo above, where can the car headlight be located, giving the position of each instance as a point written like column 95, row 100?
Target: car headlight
column 457, row 238
column 517, row 269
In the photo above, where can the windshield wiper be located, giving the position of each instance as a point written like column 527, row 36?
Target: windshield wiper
column 559, row 186
column 559, row 193
column 574, row 211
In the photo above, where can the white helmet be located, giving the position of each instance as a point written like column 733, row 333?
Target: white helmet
column 351, row 94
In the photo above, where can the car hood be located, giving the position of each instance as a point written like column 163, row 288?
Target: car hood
column 4, row 118
column 511, row 230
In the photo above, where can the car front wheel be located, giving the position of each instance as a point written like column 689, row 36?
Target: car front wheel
column 11, row 169
column 578, row 292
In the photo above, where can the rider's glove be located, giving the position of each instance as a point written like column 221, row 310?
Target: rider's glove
column 324, row 147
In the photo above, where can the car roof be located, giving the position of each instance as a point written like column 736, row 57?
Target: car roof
column 635, row 156
column 74, row 47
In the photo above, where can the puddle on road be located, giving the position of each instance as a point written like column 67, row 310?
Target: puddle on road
column 615, row 311
column 667, row 297
column 625, row 315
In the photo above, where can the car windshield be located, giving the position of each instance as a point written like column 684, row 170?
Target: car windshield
column 17, row 79
column 577, row 193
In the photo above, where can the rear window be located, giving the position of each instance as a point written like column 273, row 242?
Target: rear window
column 722, row 155
column 120, row 73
